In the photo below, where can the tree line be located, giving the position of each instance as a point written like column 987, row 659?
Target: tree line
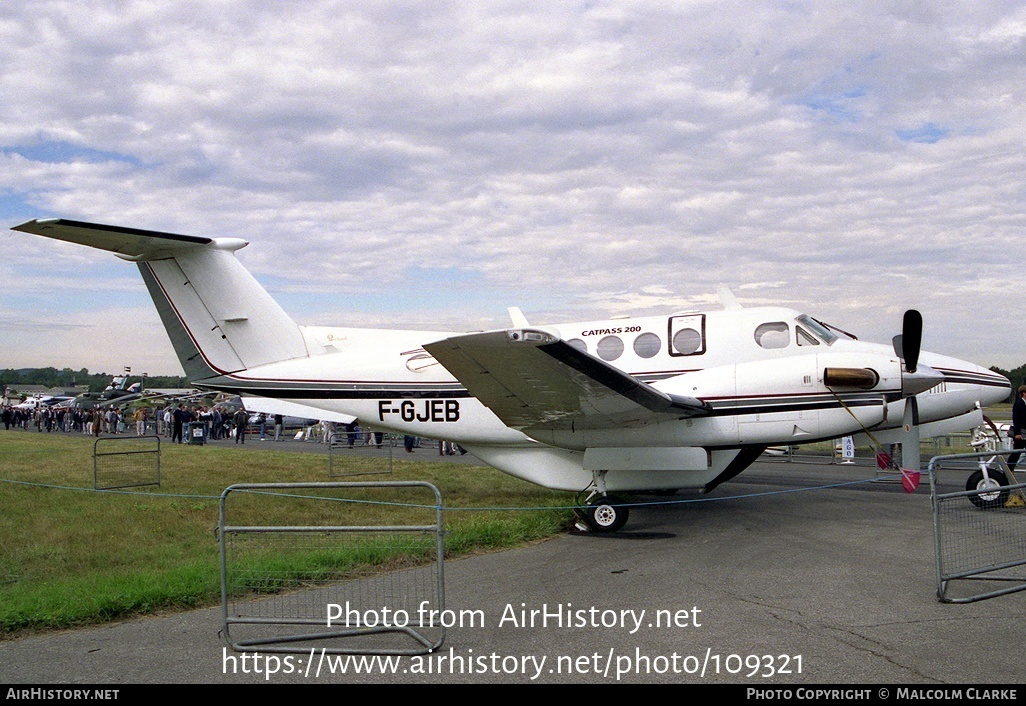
column 66, row 377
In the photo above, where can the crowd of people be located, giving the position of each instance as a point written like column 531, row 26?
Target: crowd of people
column 173, row 421
column 67, row 419
column 170, row 421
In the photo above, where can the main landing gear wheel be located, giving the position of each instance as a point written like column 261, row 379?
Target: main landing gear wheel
column 989, row 500
column 606, row 513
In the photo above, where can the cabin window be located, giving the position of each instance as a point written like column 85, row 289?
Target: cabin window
column 610, row 348
column 578, row 344
column 647, row 345
column 687, row 335
column 774, row 334
column 687, row 341
column 804, row 337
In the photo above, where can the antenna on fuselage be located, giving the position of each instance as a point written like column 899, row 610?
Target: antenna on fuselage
column 517, row 317
column 727, row 298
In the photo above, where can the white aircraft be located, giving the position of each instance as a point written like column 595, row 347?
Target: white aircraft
column 687, row 400
column 31, row 404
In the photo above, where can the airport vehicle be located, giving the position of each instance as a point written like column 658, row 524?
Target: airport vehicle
column 686, row 400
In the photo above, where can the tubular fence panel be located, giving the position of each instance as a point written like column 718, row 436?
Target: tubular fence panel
column 346, row 568
column 126, row 462
column 979, row 518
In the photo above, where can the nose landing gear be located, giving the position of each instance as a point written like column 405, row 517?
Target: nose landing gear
column 605, row 513
column 993, row 482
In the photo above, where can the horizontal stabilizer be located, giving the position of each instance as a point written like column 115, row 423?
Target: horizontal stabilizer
column 533, row 380
column 285, row 408
column 130, row 243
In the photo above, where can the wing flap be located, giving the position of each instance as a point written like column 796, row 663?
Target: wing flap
column 533, row 380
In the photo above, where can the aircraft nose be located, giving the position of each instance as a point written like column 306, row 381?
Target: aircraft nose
column 1000, row 393
column 992, row 387
column 986, row 386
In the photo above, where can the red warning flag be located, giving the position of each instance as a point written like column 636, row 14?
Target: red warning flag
column 909, row 480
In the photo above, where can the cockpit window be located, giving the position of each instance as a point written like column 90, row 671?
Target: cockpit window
column 804, row 337
column 774, row 334
column 821, row 331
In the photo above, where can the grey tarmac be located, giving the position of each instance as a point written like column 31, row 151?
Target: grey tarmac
column 839, row 582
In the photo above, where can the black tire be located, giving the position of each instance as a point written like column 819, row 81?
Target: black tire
column 989, row 500
column 606, row 513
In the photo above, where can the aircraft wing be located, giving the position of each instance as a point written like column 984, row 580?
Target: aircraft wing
column 285, row 408
column 532, row 379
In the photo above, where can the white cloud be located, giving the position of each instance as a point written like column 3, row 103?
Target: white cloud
column 573, row 157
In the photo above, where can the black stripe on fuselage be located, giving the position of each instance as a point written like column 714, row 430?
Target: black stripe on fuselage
column 342, row 391
column 970, row 378
column 354, row 391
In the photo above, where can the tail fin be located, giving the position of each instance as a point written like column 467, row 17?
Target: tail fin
column 220, row 320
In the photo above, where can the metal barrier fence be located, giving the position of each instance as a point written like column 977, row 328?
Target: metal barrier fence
column 345, row 440
column 347, row 568
column 979, row 532
column 132, row 461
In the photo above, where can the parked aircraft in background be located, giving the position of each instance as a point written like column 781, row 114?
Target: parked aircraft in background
column 36, row 401
column 117, row 392
column 687, row 400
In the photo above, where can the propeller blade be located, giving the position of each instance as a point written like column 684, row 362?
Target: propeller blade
column 907, row 346
column 911, row 338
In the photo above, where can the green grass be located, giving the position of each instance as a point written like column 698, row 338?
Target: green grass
column 70, row 556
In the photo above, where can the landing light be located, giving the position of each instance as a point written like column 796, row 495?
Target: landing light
column 529, row 336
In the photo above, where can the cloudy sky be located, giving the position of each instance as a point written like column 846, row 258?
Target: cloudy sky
column 429, row 164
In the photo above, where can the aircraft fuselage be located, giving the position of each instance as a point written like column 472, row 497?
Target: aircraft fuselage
column 761, row 370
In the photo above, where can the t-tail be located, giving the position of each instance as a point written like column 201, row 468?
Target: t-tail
column 220, row 320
